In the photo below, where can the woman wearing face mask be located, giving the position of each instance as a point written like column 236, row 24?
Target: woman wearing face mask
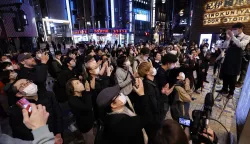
column 131, row 55
column 182, row 99
column 122, row 124
column 7, row 78
column 153, row 94
column 143, row 57
column 81, row 106
column 123, row 75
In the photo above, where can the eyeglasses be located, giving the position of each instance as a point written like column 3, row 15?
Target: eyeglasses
column 23, row 85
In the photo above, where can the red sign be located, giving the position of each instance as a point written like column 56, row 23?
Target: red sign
column 80, row 32
column 119, row 31
column 101, row 30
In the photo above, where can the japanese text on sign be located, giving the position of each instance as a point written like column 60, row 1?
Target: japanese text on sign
column 226, row 11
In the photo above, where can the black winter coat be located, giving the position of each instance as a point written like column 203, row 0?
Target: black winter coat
column 123, row 129
column 55, row 120
column 82, row 109
column 60, row 84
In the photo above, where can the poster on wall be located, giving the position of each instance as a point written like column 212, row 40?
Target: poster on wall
column 206, row 38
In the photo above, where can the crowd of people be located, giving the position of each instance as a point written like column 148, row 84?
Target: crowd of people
column 116, row 94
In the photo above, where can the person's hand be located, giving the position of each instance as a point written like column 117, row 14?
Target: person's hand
column 58, row 139
column 38, row 117
column 203, row 70
column 209, row 134
column 136, row 75
column 109, row 71
column 87, row 87
column 166, row 90
column 230, row 33
column 139, row 89
column 92, row 83
column 105, row 64
column 44, row 58
column 187, row 81
column 99, row 62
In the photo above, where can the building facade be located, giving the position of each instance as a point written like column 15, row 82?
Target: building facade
column 209, row 16
column 17, row 26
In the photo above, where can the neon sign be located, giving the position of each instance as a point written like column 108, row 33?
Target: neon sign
column 226, row 11
column 101, row 31
column 77, row 32
column 119, row 31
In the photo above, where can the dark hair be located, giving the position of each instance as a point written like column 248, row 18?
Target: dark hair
column 70, row 87
column 4, row 65
column 169, row 58
column 238, row 25
column 145, row 51
column 170, row 133
column 5, row 77
column 120, row 61
column 155, row 54
column 89, row 50
column 58, row 53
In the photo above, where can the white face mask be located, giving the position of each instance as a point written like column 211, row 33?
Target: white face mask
column 122, row 98
column 39, row 56
column 127, row 63
column 145, row 58
column 183, row 76
column 235, row 32
column 7, row 60
column 73, row 65
column 31, row 90
column 10, row 68
column 14, row 75
column 172, row 66
column 154, row 72
column 184, row 47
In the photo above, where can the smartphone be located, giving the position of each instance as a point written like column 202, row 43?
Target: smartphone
column 24, row 104
column 185, row 122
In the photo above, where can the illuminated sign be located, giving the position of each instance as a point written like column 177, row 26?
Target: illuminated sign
column 107, row 31
column 119, row 31
column 141, row 14
column 77, row 32
column 101, row 31
column 226, row 11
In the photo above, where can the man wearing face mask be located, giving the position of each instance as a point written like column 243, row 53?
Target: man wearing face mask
column 162, row 78
column 66, row 74
column 236, row 42
column 56, row 66
column 121, row 123
column 143, row 57
column 32, row 71
column 95, row 76
column 24, row 88
column 154, row 95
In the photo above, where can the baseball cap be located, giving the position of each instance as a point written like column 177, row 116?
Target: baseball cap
column 106, row 96
column 21, row 57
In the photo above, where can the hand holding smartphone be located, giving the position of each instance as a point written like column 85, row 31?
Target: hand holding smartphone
column 24, row 104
